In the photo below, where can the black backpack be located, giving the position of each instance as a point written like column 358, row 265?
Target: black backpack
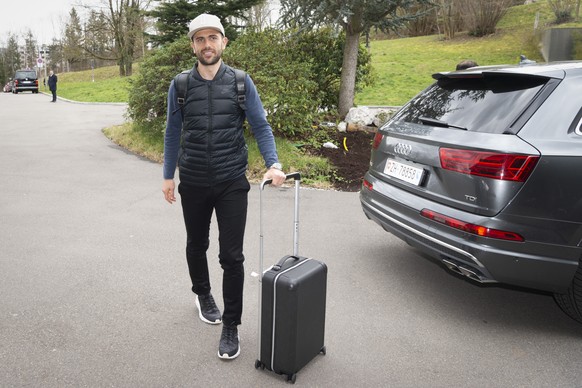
column 181, row 85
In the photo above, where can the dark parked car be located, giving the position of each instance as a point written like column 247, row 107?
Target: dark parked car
column 483, row 171
column 25, row 80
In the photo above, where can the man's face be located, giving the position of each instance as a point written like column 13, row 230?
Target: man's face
column 208, row 46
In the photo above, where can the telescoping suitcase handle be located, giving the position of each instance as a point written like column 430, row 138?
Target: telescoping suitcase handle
column 297, row 177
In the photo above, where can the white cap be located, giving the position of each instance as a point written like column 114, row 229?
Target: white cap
column 203, row 21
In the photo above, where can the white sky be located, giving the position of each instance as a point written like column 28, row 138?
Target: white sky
column 45, row 18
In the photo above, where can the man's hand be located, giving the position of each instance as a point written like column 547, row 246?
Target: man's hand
column 168, row 188
column 277, row 176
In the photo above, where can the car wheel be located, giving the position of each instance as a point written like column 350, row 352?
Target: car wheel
column 571, row 301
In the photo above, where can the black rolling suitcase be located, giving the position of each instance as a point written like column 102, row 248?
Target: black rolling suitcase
column 292, row 296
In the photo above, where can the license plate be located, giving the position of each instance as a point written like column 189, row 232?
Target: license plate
column 27, row 82
column 404, row 172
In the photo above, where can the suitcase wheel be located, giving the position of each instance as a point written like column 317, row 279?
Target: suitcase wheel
column 259, row 364
column 323, row 351
column 291, row 378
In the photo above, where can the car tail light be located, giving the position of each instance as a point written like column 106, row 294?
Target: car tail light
column 368, row 185
column 377, row 140
column 507, row 167
column 479, row 230
column 15, row 82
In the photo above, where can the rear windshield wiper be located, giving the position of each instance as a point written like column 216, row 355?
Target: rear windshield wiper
column 438, row 123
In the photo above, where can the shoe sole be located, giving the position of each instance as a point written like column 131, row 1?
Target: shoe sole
column 217, row 322
column 225, row 356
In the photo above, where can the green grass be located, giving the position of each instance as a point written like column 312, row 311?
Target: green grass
column 137, row 141
column 403, row 67
column 100, row 85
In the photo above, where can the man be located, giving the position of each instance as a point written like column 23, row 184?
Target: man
column 205, row 138
column 52, row 84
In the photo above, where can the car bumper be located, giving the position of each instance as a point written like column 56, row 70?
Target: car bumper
column 26, row 88
column 487, row 260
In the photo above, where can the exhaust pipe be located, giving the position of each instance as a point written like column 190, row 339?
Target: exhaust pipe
column 470, row 273
column 452, row 266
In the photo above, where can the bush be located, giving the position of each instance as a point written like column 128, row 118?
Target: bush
column 148, row 94
column 289, row 95
column 562, row 10
column 481, row 17
column 297, row 76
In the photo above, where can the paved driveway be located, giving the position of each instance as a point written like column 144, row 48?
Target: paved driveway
column 94, row 289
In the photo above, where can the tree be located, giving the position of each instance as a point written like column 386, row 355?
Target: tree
column 12, row 57
column 448, row 17
column 173, row 17
column 56, row 54
column 118, row 28
column 73, row 41
column 355, row 17
column 259, row 16
column 97, row 36
column 124, row 19
column 29, row 52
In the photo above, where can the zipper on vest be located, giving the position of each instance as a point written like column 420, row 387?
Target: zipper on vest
column 209, row 135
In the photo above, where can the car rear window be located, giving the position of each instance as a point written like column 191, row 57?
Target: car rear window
column 481, row 104
column 25, row 74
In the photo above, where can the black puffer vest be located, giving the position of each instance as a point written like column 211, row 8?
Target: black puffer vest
column 213, row 148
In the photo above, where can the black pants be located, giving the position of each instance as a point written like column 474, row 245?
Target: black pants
column 230, row 200
column 54, row 92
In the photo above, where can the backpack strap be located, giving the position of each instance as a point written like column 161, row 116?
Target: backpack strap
column 240, row 88
column 181, row 85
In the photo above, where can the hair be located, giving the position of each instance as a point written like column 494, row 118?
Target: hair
column 466, row 64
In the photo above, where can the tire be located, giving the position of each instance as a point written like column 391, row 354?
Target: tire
column 571, row 301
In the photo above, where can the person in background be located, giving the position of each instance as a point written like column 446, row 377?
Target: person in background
column 52, row 84
column 205, row 138
column 466, row 64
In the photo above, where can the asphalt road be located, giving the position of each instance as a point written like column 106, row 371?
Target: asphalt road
column 94, row 290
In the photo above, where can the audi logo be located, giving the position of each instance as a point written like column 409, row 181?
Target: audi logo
column 403, row 149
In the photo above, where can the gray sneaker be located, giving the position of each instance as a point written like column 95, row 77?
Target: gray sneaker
column 229, row 346
column 207, row 310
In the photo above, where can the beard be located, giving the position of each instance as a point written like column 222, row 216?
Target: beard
column 208, row 62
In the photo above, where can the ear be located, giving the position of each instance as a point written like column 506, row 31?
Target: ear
column 224, row 41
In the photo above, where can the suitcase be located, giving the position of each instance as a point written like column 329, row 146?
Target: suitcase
column 292, row 295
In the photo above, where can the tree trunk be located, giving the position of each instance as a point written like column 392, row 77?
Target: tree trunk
column 348, row 77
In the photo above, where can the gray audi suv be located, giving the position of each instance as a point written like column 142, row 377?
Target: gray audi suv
column 483, row 172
